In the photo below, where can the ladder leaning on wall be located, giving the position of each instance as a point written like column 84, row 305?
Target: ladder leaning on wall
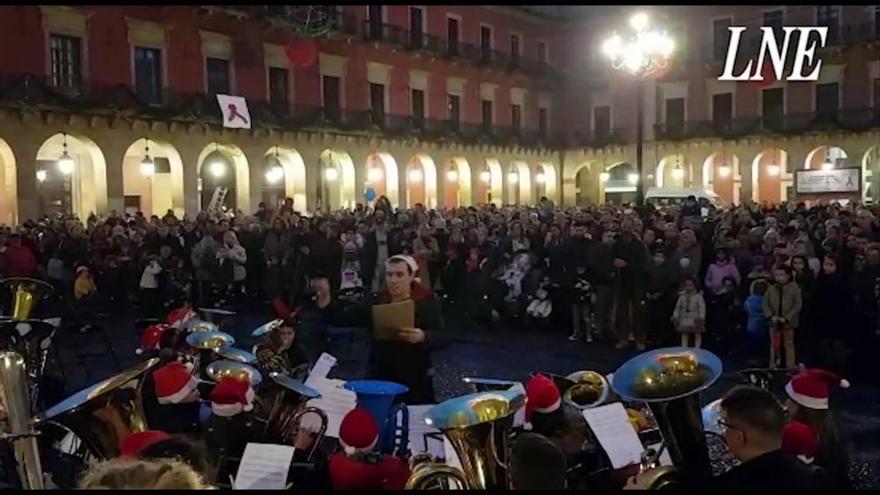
column 217, row 199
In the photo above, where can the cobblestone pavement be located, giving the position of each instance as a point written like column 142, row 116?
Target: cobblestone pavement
column 470, row 351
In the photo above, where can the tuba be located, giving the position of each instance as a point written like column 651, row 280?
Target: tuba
column 478, row 426
column 377, row 397
column 670, row 380
column 14, row 394
column 289, row 408
column 103, row 414
column 589, row 389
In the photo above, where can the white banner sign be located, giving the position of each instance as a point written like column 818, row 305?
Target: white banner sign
column 235, row 112
column 838, row 180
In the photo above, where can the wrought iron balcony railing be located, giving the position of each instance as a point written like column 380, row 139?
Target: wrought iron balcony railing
column 854, row 120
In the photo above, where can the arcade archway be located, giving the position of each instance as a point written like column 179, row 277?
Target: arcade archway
column 618, row 183
column 337, row 183
column 152, row 178
column 421, row 181
column 721, row 174
column 519, row 184
column 8, row 186
column 673, row 171
column 457, row 182
column 382, row 176
column 284, row 176
column 224, row 167
column 71, row 176
column 490, row 185
column 546, row 182
column 768, row 168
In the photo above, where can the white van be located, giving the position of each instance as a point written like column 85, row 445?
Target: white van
column 660, row 196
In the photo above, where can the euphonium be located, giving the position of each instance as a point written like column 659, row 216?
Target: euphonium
column 670, row 380
column 14, row 393
column 103, row 414
column 425, row 473
column 289, row 407
column 478, row 427
column 590, row 389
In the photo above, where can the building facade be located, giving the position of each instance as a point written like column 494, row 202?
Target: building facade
column 114, row 107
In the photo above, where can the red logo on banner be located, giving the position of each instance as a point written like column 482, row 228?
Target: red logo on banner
column 302, row 52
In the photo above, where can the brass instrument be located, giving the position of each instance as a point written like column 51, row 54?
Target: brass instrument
column 218, row 370
column 14, row 394
column 103, row 414
column 589, row 389
column 426, row 472
column 478, row 426
column 206, row 342
column 487, row 384
column 288, row 409
column 670, row 380
column 235, row 354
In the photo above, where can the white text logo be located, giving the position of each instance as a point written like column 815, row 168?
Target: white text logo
column 803, row 59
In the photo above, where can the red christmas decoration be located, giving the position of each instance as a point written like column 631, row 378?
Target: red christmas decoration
column 302, row 52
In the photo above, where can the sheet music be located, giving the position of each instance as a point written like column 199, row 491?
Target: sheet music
column 263, row 466
column 615, row 433
column 418, row 429
column 322, row 367
column 519, row 418
column 335, row 401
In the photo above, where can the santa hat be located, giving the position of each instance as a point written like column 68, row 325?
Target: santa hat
column 150, row 338
column 542, row 396
column 180, row 315
column 174, row 382
column 358, row 431
column 138, row 442
column 809, row 388
column 81, row 268
column 800, row 440
column 405, row 258
column 231, row 396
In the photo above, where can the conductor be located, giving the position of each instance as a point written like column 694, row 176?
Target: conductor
column 405, row 360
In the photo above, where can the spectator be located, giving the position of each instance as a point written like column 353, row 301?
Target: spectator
column 127, row 474
column 689, row 315
column 782, row 307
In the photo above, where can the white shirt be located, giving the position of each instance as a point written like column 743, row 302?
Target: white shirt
column 148, row 278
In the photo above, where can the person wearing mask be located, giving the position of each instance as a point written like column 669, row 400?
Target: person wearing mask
column 629, row 260
column 782, row 308
column 536, row 463
column 809, row 413
column 356, row 466
column 407, row 359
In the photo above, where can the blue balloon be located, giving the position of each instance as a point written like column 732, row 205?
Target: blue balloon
column 369, row 194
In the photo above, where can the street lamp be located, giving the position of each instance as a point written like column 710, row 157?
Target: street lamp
column 148, row 166
column 452, row 175
column 65, row 162
column 486, row 176
column 331, row 174
column 512, row 177
column 641, row 55
column 42, row 175
column 415, row 175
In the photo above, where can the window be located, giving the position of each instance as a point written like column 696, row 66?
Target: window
column 827, row 100
column 722, row 109
column 675, row 113
column 452, row 35
column 218, row 76
column 877, row 20
column 720, row 37
column 774, row 19
column 486, row 42
column 374, row 12
column 415, row 27
column 66, row 61
column 516, row 117
column 773, row 107
column 332, row 99
column 829, row 15
column 601, row 122
column 279, row 89
column 877, row 93
column 542, row 121
column 377, row 102
column 454, row 109
column 417, row 100
column 148, row 74
column 542, row 52
column 514, row 48
column 487, row 113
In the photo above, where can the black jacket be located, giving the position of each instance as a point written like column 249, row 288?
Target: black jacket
column 773, row 471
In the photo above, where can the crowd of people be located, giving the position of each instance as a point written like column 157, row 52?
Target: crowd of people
column 774, row 284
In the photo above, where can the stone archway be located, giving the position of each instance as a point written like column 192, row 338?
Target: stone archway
column 519, row 184
column 824, row 157
column 224, row 166
column 584, row 184
column 722, row 174
column 421, row 181
column 457, row 185
column 382, row 176
column 673, row 171
column 490, row 187
column 618, row 183
column 768, row 168
column 285, row 174
column 8, row 186
column 152, row 177
column 337, row 184
column 546, row 182
column 74, row 176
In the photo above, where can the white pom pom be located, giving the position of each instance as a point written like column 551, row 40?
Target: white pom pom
column 844, row 384
column 802, row 367
column 248, row 407
column 188, row 365
column 138, row 351
column 350, row 450
column 527, row 426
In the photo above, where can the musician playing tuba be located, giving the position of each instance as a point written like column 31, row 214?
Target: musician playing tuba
column 178, row 408
column 357, row 466
column 279, row 351
column 232, row 423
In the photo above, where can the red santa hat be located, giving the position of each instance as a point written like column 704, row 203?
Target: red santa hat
column 174, row 382
column 809, row 388
column 542, row 396
column 150, row 338
column 358, row 431
column 180, row 315
column 138, row 442
column 231, row 396
column 800, row 440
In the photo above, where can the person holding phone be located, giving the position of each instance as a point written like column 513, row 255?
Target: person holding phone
column 406, row 359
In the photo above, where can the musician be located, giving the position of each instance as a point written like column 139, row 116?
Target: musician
column 357, row 466
column 406, row 360
column 536, row 463
column 232, row 423
column 279, row 351
column 753, row 422
column 179, row 409
column 811, row 419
